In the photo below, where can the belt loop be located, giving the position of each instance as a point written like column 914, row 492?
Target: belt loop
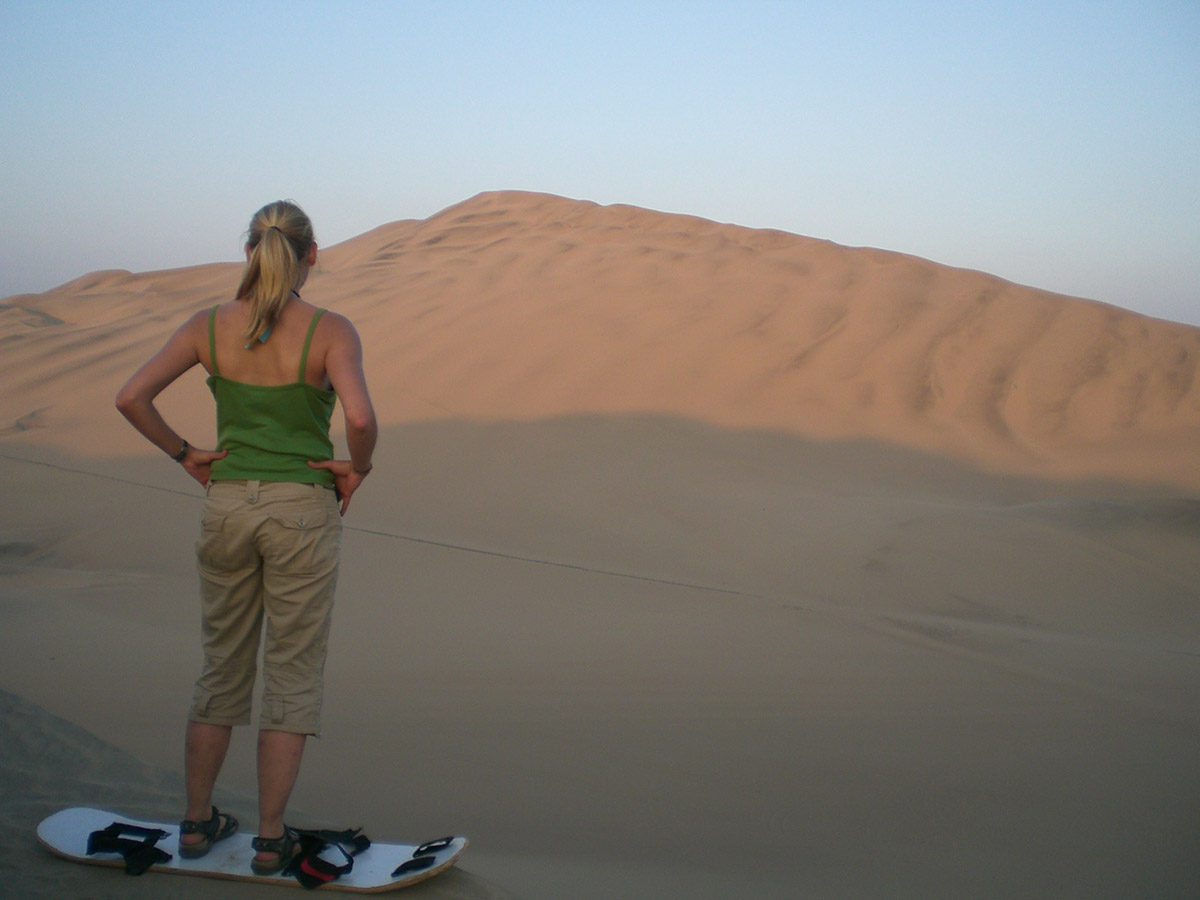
column 252, row 491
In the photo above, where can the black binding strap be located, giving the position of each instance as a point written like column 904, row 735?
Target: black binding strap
column 422, row 857
column 416, row 864
column 138, row 855
column 310, row 868
column 434, row 846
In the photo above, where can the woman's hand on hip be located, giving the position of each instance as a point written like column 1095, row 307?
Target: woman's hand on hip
column 198, row 463
column 345, row 479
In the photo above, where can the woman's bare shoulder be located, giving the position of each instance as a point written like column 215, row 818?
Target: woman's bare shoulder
column 196, row 323
column 337, row 327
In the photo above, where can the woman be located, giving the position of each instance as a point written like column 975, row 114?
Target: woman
column 271, row 534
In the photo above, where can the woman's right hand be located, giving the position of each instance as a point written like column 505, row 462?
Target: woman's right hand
column 345, row 479
column 198, row 463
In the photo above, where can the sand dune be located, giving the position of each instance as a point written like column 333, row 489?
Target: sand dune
column 523, row 306
column 656, row 659
column 697, row 562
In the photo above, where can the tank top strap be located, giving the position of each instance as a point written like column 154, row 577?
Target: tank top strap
column 212, row 339
column 312, row 326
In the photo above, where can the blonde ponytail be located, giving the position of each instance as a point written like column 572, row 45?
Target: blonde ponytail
column 279, row 237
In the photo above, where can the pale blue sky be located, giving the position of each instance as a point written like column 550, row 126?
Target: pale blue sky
column 1052, row 143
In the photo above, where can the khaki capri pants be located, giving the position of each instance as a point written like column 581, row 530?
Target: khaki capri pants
column 268, row 561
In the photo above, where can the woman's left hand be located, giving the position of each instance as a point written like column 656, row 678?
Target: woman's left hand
column 345, row 479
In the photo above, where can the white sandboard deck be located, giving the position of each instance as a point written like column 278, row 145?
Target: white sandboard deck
column 65, row 834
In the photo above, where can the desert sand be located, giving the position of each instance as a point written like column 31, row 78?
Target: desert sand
column 698, row 562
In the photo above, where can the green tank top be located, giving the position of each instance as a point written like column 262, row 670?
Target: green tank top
column 271, row 431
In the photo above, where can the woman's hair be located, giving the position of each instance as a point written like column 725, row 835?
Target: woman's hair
column 279, row 237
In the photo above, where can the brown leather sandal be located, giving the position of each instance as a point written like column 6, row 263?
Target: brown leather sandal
column 212, row 831
column 284, row 847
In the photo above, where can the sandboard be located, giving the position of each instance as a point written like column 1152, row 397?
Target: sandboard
column 66, row 834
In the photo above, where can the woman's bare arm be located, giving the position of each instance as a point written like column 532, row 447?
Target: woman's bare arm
column 344, row 366
column 136, row 399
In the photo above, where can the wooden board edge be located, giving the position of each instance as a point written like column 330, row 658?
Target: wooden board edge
column 425, row 876
column 86, row 860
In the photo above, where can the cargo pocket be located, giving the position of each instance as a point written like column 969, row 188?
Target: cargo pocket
column 273, row 710
column 305, row 542
column 201, row 700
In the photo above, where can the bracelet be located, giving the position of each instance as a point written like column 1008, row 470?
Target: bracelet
column 179, row 457
column 366, row 471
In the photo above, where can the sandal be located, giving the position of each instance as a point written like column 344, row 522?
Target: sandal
column 212, row 831
column 283, row 847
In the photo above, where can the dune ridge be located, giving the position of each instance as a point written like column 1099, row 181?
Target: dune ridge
column 676, row 576
column 523, row 306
